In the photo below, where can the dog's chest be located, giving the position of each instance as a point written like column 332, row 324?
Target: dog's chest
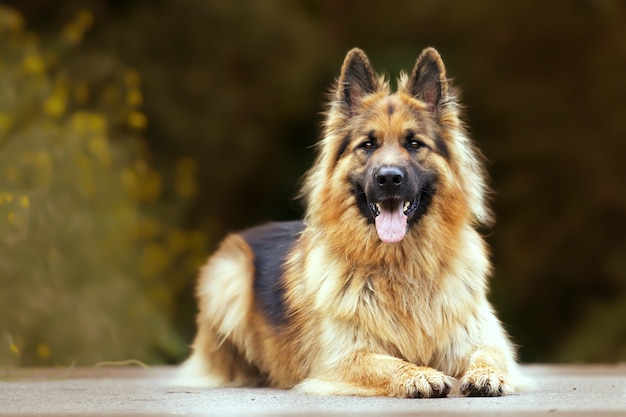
column 394, row 317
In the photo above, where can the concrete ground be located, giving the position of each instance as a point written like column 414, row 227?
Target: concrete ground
column 561, row 390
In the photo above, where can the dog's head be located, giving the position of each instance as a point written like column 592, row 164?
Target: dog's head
column 400, row 153
column 391, row 138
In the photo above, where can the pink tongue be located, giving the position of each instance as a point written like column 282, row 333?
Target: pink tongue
column 391, row 224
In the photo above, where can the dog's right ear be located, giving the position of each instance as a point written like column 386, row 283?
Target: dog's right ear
column 357, row 80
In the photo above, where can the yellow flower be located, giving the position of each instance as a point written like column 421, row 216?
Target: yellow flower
column 14, row 348
column 74, row 32
column 97, row 123
column 56, row 104
column 137, row 120
column 33, row 64
column 43, row 351
column 134, row 97
column 80, row 121
column 25, row 201
column 5, row 198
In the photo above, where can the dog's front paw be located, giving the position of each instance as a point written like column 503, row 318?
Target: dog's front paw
column 482, row 382
column 423, row 382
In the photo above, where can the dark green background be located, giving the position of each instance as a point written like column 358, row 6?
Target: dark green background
column 239, row 86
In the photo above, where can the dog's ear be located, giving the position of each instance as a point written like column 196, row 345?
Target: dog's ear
column 357, row 80
column 428, row 81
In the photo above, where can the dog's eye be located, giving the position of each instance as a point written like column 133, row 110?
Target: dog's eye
column 415, row 144
column 368, row 145
column 412, row 142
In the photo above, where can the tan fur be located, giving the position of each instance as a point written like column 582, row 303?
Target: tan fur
column 367, row 318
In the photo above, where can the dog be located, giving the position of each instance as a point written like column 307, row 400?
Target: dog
column 382, row 289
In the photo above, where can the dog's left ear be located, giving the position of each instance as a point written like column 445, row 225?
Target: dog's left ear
column 428, row 81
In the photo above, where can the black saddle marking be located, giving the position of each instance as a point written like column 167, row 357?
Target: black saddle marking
column 271, row 243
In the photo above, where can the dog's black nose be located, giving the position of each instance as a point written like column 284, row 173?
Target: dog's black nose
column 389, row 178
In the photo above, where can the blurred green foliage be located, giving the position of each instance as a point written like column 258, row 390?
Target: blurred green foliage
column 213, row 128
column 85, row 243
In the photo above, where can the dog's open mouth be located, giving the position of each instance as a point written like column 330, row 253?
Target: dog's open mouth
column 392, row 218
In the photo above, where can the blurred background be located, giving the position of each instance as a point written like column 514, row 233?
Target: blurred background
column 135, row 134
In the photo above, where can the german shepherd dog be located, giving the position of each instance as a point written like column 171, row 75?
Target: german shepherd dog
column 381, row 290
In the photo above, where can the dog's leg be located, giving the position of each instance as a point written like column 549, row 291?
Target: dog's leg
column 224, row 298
column 485, row 375
column 367, row 374
column 488, row 360
column 216, row 363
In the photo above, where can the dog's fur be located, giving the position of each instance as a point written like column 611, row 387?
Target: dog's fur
column 382, row 289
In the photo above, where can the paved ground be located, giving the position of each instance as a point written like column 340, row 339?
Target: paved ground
column 561, row 390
